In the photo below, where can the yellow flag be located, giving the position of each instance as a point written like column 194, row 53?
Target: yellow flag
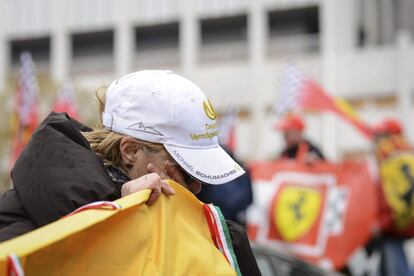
column 171, row 237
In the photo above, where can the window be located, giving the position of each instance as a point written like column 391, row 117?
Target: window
column 223, row 38
column 39, row 48
column 157, row 46
column 380, row 20
column 92, row 53
column 293, row 31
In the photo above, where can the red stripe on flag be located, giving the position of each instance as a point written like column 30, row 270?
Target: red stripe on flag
column 302, row 93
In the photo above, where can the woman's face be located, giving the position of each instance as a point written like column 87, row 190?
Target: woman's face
column 148, row 160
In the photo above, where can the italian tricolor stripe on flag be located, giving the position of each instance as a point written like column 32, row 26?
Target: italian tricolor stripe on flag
column 14, row 267
column 220, row 234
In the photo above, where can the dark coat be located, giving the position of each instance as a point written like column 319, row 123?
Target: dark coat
column 233, row 197
column 58, row 172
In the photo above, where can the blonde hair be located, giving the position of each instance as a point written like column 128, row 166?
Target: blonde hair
column 105, row 142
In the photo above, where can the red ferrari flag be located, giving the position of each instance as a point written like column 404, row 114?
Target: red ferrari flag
column 299, row 92
column 25, row 117
column 321, row 213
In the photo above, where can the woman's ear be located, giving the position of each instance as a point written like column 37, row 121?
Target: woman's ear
column 128, row 148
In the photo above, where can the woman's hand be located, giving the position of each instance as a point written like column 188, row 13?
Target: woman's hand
column 152, row 181
column 178, row 175
column 172, row 170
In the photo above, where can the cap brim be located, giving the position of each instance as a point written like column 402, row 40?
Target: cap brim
column 209, row 165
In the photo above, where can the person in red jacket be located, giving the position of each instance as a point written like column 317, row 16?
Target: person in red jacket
column 395, row 160
column 297, row 146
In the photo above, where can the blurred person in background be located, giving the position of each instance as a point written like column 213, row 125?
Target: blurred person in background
column 395, row 160
column 233, row 198
column 153, row 127
column 297, row 146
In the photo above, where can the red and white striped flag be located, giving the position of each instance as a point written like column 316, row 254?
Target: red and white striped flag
column 290, row 89
column 25, row 115
column 65, row 101
column 301, row 93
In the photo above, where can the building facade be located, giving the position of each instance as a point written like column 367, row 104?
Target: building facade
column 234, row 50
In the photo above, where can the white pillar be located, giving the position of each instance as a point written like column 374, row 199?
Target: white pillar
column 124, row 39
column 257, row 32
column 403, row 75
column 189, row 37
column 328, row 15
column 60, row 43
column 346, row 25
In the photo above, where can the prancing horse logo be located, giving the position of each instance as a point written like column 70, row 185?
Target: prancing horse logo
column 296, row 211
column 209, row 110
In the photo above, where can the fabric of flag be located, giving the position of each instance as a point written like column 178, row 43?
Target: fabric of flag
column 14, row 267
column 227, row 129
column 395, row 157
column 221, row 235
column 66, row 102
column 313, row 212
column 25, row 117
column 299, row 92
column 126, row 237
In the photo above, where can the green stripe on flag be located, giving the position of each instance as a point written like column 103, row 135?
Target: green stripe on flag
column 228, row 240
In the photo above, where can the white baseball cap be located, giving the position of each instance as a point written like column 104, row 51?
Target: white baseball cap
column 163, row 107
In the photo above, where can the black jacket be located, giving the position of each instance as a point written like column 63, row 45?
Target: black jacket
column 58, row 172
column 233, row 198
